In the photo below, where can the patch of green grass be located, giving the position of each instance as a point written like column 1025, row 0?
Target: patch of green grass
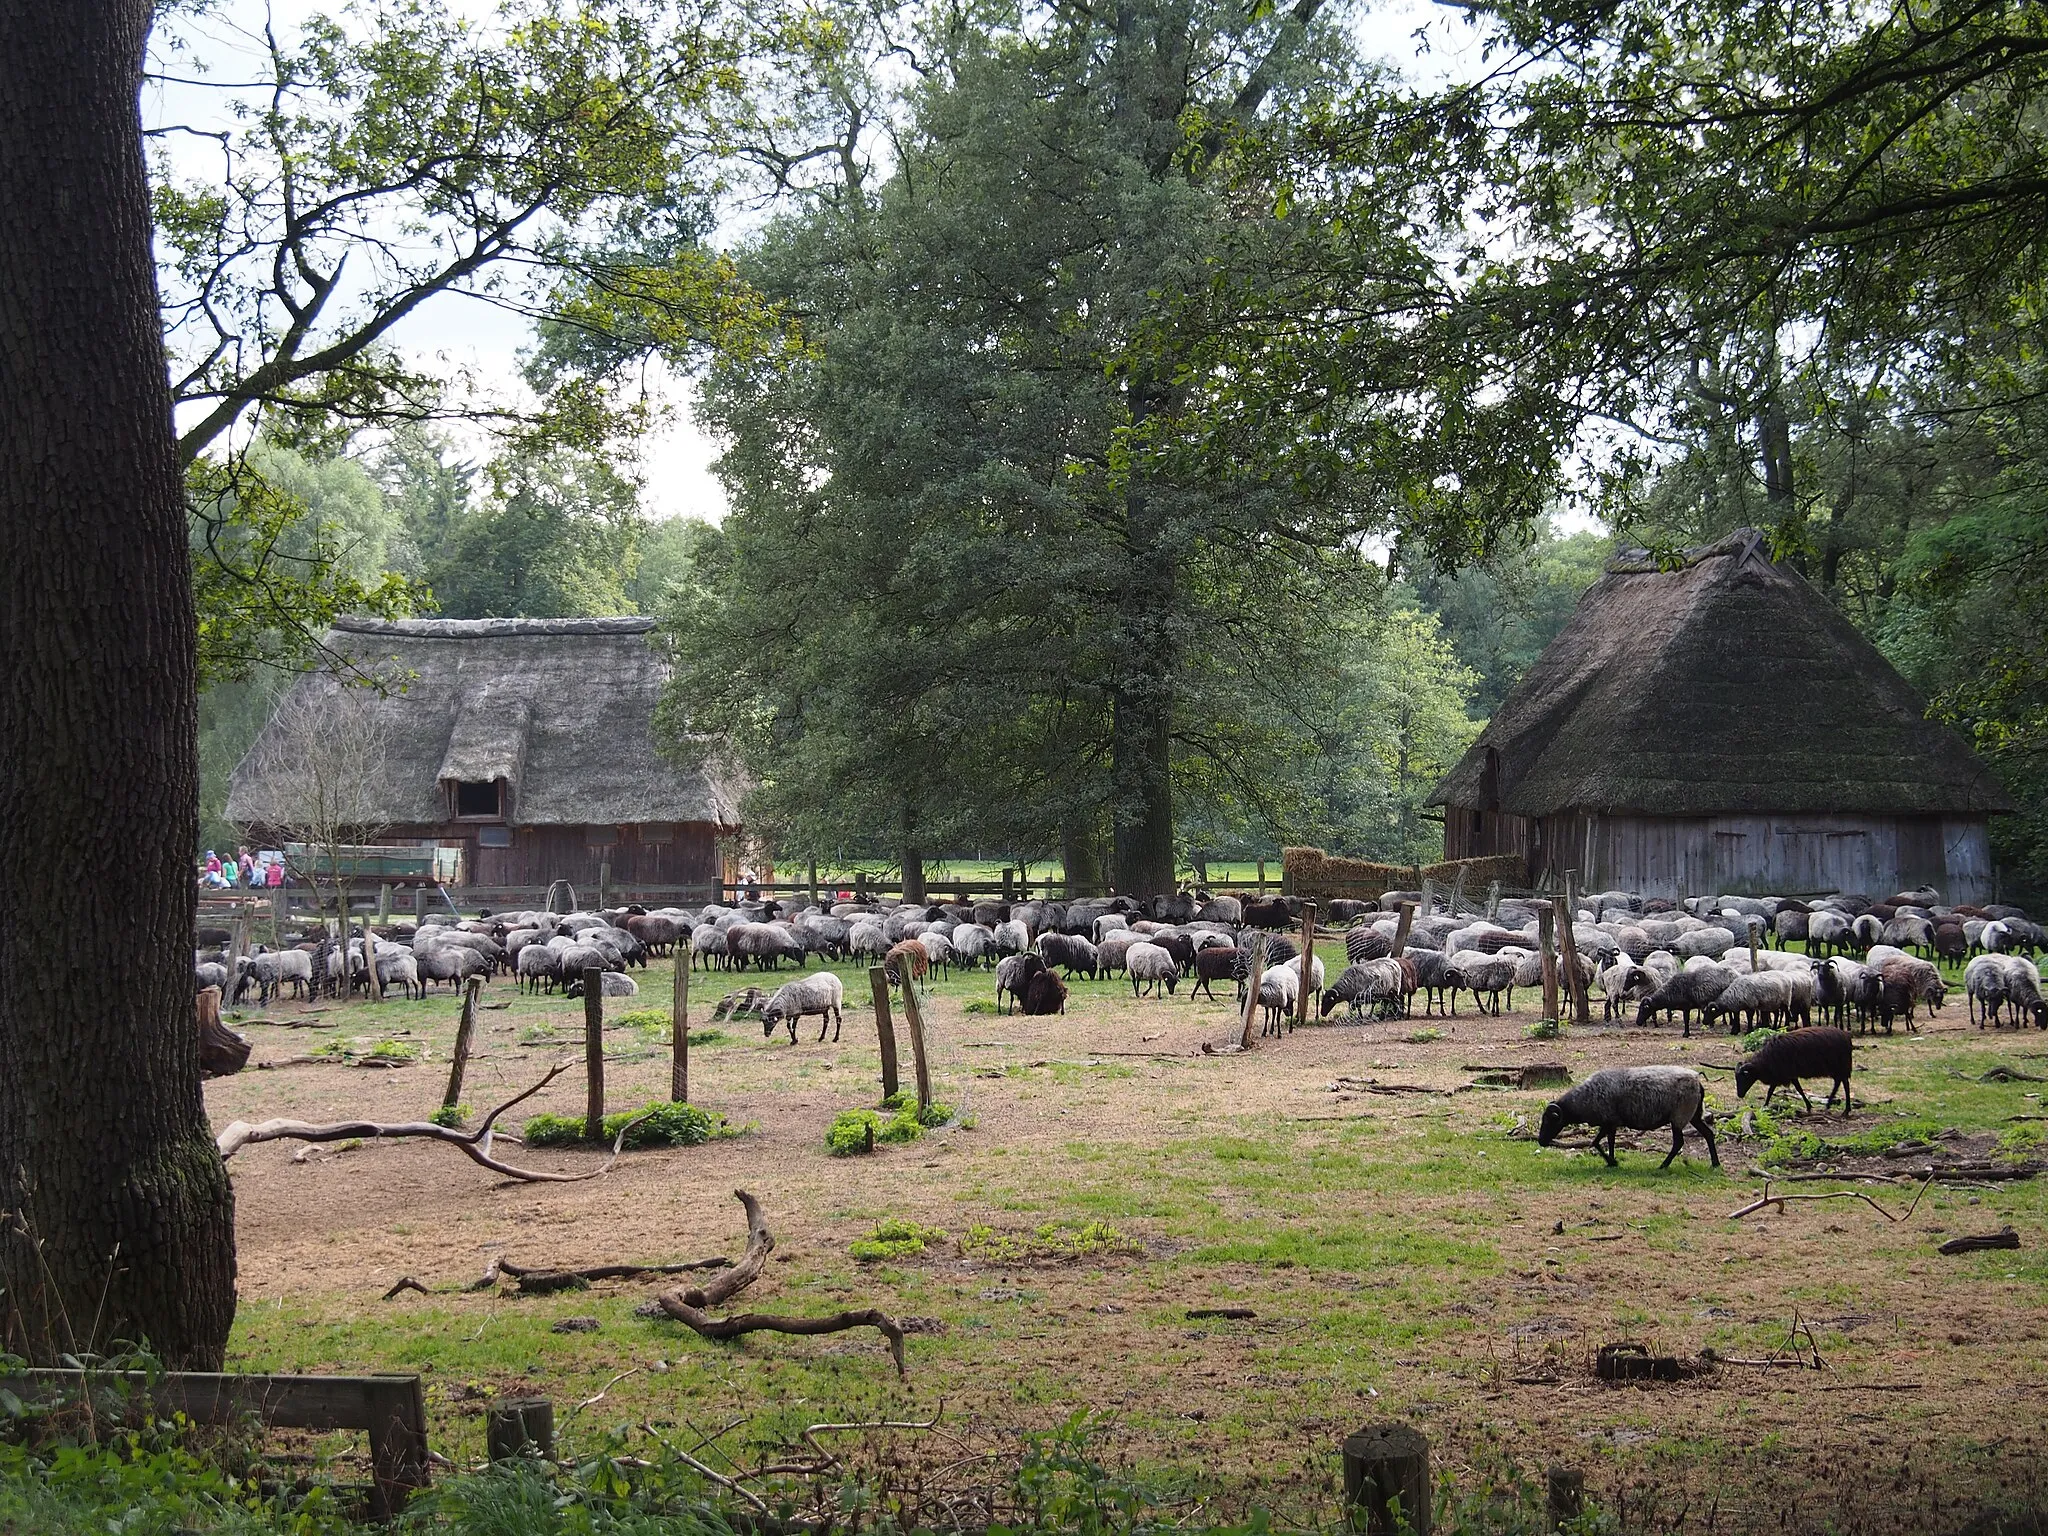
column 1545, row 1029
column 1422, row 1036
column 934, row 1113
column 1049, row 1242
column 453, row 1116
column 895, row 1239
column 979, row 1005
column 1788, row 1145
column 393, row 1050
column 661, row 1124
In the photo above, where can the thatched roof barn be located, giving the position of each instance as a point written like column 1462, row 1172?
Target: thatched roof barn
column 1721, row 727
column 526, row 743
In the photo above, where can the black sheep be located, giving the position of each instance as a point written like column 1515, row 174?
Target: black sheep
column 1218, row 964
column 1782, row 1060
column 1045, row 993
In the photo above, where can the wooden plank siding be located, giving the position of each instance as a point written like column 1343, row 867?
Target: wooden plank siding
column 1676, row 856
column 679, row 854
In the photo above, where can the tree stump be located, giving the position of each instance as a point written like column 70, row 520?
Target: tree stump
column 1565, row 1490
column 1386, row 1480
column 518, row 1427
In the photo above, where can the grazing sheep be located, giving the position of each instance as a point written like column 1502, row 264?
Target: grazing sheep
column 1278, row 989
column 1482, row 975
column 708, row 944
column 908, row 956
column 1620, row 982
column 1638, row 1098
column 2023, row 989
column 1712, row 943
column 1213, row 965
column 973, row 945
column 1432, row 976
column 1789, row 925
column 1151, row 968
column 1070, row 952
column 1782, row 1060
column 398, row 967
column 1828, row 930
column 271, row 970
column 1012, row 937
column 1759, row 997
column 820, row 993
column 1012, row 972
column 1919, row 980
column 935, row 945
column 1685, row 993
column 1222, row 909
column 1984, row 989
column 1381, row 985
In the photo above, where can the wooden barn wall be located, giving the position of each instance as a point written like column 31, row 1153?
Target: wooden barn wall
column 1698, row 856
column 686, row 854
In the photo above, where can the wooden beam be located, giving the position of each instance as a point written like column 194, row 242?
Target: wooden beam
column 593, row 1053
column 1308, row 956
column 465, row 1033
column 885, row 1029
column 679, row 1028
column 913, row 1019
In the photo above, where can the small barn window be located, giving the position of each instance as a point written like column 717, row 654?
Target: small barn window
column 603, row 837
column 657, row 832
column 494, row 837
column 476, row 798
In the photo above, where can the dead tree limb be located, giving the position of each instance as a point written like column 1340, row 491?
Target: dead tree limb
column 475, row 1145
column 688, row 1306
column 541, row 1278
column 1780, row 1201
column 2004, row 1237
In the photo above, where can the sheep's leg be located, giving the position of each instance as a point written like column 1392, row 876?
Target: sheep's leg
column 1699, row 1121
column 1608, row 1150
column 1677, row 1144
column 1800, row 1088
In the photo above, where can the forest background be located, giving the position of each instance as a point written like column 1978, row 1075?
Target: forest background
column 1146, row 429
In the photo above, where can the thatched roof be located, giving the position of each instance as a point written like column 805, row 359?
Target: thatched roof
column 561, row 709
column 1726, row 686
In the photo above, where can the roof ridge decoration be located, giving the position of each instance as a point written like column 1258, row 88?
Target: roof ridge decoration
column 471, row 629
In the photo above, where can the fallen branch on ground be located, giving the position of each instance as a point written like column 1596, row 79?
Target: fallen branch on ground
column 538, row 1279
column 1780, row 1201
column 2004, row 1237
column 475, row 1145
column 402, row 1284
column 2010, row 1075
column 689, row 1306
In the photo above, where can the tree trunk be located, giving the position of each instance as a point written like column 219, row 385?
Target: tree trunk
column 1079, row 860
column 1141, row 722
column 125, row 1225
column 913, row 875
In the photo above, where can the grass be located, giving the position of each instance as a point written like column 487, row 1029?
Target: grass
column 1389, row 1246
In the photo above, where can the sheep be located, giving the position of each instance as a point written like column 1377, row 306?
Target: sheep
column 1012, row 972
column 973, row 944
column 1829, row 930
column 1151, row 968
column 1910, row 933
column 1712, row 943
column 906, row 959
column 1222, row 909
column 1044, row 993
column 1684, row 993
column 1278, row 989
column 2023, row 989
column 1381, row 985
column 1760, row 997
column 1012, row 937
column 660, row 934
column 209, row 973
column 1951, row 944
column 820, row 992
column 1789, row 925
column 1107, row 924
column 867, row 939
column 271, row 969
column 1213, row 965
column 1070, row 952
column 399, row 966
column 1363, row 944
column 1919, row 979
column 1293, row 963
column 1782, row 1060
column 1110, row 953
column 1479, row 973
column 1984, row 989
column 1867, row 930
column 1432, row 975
column 539, row 966
column 935, row 945
column 708, row 943
column 1621, row 981
column 1179, row 945
column 1639, row 1098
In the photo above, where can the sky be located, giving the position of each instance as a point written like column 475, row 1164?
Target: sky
column 1426, row 42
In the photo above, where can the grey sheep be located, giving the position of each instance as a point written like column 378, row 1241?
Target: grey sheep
column 1379, row 985
column 1637, row 1098
column 1782, row 1060
column 1760, row 998
column 820, row 993
column 1069, row 952
column 1151, row 968
column 1685, row 993
column 1012, row 937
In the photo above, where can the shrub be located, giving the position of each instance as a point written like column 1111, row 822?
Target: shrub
column 393, row 1050
column 1757, row 1037
column 664, row 1125
column 454, row 1116
column 935, row 1113
column 1545, row 1029
column 1422, row 1036
column 853, row 1132
column 895, row 1239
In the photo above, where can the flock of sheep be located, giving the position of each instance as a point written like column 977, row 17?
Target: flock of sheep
column 1723, row 960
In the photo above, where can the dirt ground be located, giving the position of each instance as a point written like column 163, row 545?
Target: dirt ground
column 1408, row 1255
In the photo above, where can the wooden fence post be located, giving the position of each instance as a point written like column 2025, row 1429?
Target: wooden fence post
column 885, row 1029
column 520, row 1426
column 913, row 1019
column 465, row 1032
column 593, row 1052
column 1407, row 926
column 374, row 981
column 1308, row 962
column 1262, row 877
column 1255, row 973
column 1568, row 947
column 814, row 882
column 1386, row 1481
column 679, row 1028
column 1546, row 937
column 1565, row 1495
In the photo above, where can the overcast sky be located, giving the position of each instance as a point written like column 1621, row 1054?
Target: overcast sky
column 453, row 333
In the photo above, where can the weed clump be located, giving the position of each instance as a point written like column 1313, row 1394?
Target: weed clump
column 652, row 1125
column 1545, row 1029
column 1050, row 1243
column 1421, row 1036
column 895, row 1239
column 453, row 1116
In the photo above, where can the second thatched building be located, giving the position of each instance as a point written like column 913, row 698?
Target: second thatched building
column 1721, row 727
column 527, row 746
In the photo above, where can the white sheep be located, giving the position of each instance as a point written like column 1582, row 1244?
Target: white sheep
column 1151, row 968
column 820, row 992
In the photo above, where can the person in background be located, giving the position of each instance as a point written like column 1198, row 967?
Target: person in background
column 248, row 864
column 230, row 872
column 212, row 863
column 273, row 874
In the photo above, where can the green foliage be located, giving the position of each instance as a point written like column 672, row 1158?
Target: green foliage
column 453, row 1116
column 903, row 1101
column 657, row 1022
column 1422, row 1036
column 1757, row 1037
column 853, row 1132
column 661, row 1124
column 393, row 1051
column 1545, row 1029
column 1049, row 1242
column 895, row 1239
